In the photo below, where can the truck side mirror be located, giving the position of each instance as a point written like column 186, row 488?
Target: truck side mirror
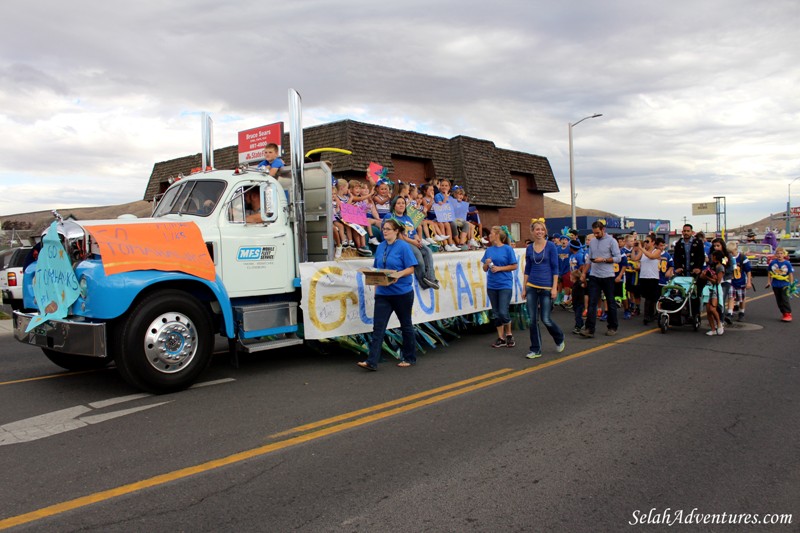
column 269, row 203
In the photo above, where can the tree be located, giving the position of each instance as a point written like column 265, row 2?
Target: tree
column 16, row 224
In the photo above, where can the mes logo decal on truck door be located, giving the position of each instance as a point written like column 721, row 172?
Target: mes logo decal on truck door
column 256, row 253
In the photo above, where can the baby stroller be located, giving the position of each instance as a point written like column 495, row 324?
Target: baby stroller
column 674, row 306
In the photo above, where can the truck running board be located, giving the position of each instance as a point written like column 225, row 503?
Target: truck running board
column 261, row 346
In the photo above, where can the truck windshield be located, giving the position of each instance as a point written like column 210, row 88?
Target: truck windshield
column 196, row 197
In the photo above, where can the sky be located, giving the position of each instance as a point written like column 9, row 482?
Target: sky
column 699, row 98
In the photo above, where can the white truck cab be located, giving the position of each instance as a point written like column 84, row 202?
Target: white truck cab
column 159, row 323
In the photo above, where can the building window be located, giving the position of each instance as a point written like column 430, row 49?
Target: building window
column 515, row 228
column 515, row 189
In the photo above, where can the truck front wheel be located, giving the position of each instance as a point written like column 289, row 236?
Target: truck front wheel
column 76, row 362
column 166, row 342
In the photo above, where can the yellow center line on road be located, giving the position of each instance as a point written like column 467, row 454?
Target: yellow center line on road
column 350, row 420
column 49, row 376
column 381, row 406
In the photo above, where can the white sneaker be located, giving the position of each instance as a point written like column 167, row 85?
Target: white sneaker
column 484, row 241
column 711, row 332
column 430, row 242
column 441, row 238
column 720, row 330
column 560, row 347
column 452, row 248
column 474, row 243
column 374, row 241
column 338, row 253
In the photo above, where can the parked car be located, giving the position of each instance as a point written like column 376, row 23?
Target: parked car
column 11, row 263
column 792, row 247
column 759, row 255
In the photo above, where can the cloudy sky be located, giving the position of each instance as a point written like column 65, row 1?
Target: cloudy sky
column 699, row 98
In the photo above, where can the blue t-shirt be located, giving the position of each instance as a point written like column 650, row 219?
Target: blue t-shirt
column 541, row 267
column 576, row 260
column 396, row 256
column 276, row 163
column 621, row 266
column 664, row 264
column 780, row 268
column 740, row 271
column 501, row 256
column 406, row 221
column 563, row 260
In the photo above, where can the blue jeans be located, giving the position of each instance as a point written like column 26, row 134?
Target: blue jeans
column 500, row 300
column 596, row 286
column 424, row 268
column 578, row 292
column 540, row 300
column 399, row 304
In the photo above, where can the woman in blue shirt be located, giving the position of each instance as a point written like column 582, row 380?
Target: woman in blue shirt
column 540, row 287
column 398, row 297
column 500, row 262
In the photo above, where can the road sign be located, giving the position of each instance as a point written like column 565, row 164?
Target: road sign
column 705, row 208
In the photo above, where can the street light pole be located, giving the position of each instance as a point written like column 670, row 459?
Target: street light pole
column 572, row 169
column 789, row 207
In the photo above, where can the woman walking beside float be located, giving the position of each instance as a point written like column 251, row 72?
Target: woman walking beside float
column 500, row 262
column 398, row 297
column 540, row 287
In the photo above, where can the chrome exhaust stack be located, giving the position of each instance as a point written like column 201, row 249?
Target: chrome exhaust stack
column 298, row 192
column 207, row 127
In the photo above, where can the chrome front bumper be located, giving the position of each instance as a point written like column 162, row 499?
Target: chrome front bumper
column 67, row 336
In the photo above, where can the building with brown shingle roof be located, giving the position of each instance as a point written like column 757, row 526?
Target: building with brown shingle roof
column 507, row 186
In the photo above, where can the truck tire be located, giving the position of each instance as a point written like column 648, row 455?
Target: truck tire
column 76, row 362
column 165, row 343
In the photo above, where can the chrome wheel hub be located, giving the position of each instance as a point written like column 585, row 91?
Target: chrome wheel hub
column 170, row 342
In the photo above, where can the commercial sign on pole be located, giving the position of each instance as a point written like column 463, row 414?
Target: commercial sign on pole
column 705, row 208
column 252, row 142
column 795, row 212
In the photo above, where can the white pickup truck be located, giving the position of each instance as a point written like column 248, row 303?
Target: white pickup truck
column 11, row 264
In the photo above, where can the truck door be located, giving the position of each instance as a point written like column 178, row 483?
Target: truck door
column 257, row 257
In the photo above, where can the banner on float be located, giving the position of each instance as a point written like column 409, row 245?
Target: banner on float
column 337, row 302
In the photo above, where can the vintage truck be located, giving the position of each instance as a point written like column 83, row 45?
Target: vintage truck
column 153, row 294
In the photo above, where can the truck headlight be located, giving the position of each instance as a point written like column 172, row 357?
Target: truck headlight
column 83, row 286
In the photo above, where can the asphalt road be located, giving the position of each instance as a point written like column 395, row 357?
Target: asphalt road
column 616, row 432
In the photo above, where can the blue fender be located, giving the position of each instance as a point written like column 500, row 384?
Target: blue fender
column 107, row 297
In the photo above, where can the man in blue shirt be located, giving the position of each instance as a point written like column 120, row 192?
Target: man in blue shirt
column 601, row 255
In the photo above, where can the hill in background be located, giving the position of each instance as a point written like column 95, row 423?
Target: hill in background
column 39, row 220
column 555, row 209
